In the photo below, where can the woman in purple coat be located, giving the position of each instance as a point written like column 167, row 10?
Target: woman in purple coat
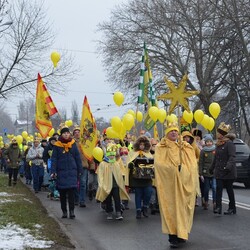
column 66, row 167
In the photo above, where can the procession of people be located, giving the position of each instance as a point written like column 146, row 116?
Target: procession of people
column 168, row 170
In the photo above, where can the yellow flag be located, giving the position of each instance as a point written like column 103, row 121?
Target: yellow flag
column 44, row 108
column 156, row 135
column 89, row 137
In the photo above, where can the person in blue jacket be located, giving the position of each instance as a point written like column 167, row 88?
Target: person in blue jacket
column 66, row 167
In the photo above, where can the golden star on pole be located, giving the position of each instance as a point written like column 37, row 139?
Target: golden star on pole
column 178, row 95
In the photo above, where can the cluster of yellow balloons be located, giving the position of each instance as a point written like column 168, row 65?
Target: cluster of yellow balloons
column 203, row 119
column 161, row 115
column 55, row 58
column 1, row 142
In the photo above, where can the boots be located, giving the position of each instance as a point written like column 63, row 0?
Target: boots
column 217, row 210
column 138, row 214
column 9, row 184
column 71, row 214
column 145, row 212
column 205, row 206
column 65, row 214
column 230, row 211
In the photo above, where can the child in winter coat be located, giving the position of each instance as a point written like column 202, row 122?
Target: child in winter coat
column 206, row 160
column 111, row 183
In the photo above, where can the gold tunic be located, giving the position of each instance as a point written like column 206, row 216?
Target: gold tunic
column 176, row 189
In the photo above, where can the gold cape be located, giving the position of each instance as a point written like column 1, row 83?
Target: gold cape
column 176, row 189
column 105, row 172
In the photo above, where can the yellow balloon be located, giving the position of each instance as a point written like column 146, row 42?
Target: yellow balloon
column 19, row 139
column 69, row 123
column 130, row 111
column 162, row 114
column 8, row 136
column 211, row 124
column 1, row 138
column 55, row 58
column 51, row 132
column 153, row 113
column 122, row 133
column 188, row 116
column 214, row 109
column 98, row 153
column 116, row 123
column 139, row 116
column 24, row 134
column 128, row 121
column 205, row 121
column 111, row 133
column 118, row 98
column 172, row 118
column 198, row 115
column 25, row 147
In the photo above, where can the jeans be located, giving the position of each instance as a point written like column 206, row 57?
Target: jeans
column 228, row 184
column 115, row 193
column 37, row 176
column 13, row 172
column 209, row 182
column 83, row 185
column 142, row 194
column 67, row 194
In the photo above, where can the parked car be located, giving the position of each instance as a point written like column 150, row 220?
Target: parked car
column 242, row 162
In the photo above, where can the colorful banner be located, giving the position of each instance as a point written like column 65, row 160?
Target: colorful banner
column 44, row 108
column 89, row 136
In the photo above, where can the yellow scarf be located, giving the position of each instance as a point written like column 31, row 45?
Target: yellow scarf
column 66, row 146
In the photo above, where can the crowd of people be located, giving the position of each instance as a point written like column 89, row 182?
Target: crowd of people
column 169, row 176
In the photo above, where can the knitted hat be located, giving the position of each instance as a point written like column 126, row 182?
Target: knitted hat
column 208, row 137
column 13, row 141
column 64, row 130
column 197, row 132
column 171, row 126
column 223, row 128
column 52, row 139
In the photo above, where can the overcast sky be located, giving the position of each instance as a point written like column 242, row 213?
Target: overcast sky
column 75, row 24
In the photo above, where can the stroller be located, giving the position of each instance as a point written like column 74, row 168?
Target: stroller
column 54, row 193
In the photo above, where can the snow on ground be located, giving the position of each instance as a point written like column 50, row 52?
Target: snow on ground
column 14, row 237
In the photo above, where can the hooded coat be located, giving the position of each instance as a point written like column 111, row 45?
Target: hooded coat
column 224, row 166
column 176, row 186
column 13, row 154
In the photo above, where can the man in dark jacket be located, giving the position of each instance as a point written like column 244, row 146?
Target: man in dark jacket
column 13, row 158
column 224, row 168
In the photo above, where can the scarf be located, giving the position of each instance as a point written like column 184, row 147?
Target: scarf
column 66, row 144
column 209, row 149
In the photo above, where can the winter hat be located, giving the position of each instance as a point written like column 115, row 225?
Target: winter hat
column 64, row 130
column 197, row 132
column 208, row 137
column 148, row 135
column 52, row 139
column 76, row 128
column 44, row 140
column 223, row 128
column 14, row 141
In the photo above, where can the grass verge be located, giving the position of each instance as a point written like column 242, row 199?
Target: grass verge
column 23, row 208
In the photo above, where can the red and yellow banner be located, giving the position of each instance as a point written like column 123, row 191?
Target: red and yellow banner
column 88, row 131
column 44, row 108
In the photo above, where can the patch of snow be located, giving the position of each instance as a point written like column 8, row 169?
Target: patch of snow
column 5, row 194
column 14, row 237
column 2, row 201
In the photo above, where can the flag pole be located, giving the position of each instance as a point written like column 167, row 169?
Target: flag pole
column 180, row 138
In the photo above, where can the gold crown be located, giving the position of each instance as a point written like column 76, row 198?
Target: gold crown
column 111, row 147
column 224, row 127
column 171, row 126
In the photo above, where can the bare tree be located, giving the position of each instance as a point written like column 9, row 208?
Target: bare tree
column 182, row 36
column 75, row 112
column 25, row 51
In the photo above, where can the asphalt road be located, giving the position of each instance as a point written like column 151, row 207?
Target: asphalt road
column 91, row 231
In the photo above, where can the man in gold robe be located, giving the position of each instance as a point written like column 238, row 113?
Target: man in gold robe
column 176, row 180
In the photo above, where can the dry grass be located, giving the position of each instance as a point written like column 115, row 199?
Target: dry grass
column 26, row 210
